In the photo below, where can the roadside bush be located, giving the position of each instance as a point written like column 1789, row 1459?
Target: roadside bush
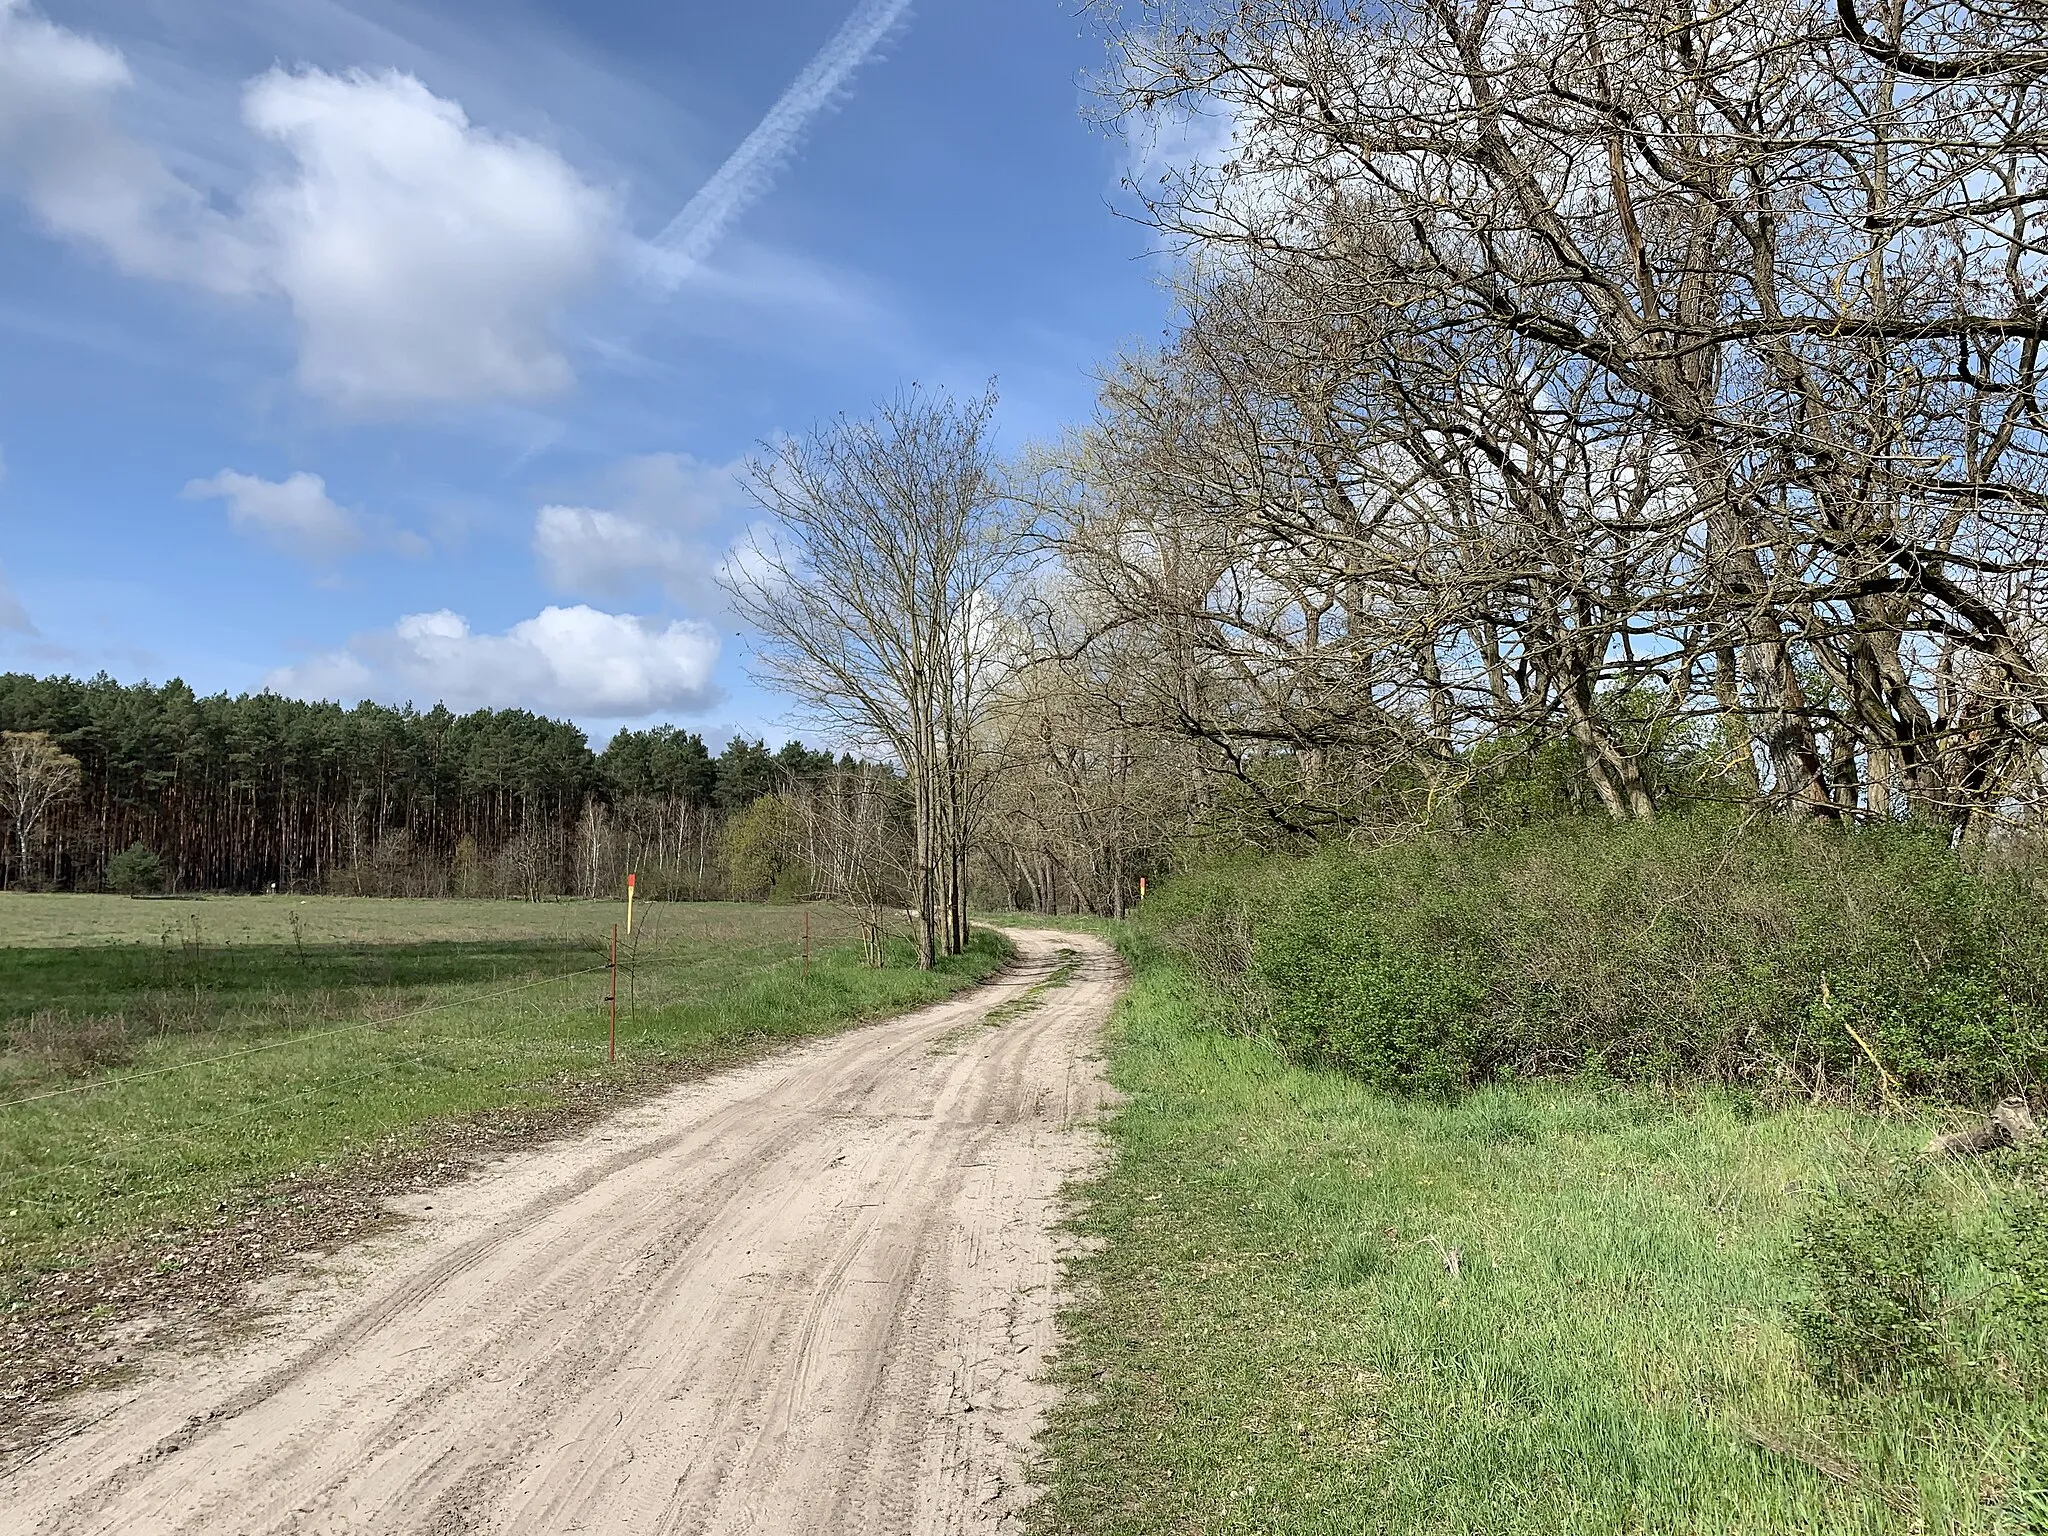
column 1365, row 998
column 1693, row 949
column 135, row 871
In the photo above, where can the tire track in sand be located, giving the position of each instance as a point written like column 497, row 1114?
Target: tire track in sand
column 811, row 1295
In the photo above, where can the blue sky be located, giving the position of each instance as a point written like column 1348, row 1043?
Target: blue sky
column 335, row 356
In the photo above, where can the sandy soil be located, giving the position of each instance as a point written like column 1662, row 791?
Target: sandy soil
column 811, row 1295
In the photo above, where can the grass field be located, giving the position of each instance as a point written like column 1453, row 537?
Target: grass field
column 38, row 920
column 165, row 1059
column 87, row 981
column 1308, row 1307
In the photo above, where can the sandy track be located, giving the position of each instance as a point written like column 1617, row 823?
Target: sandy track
column 811, row 1295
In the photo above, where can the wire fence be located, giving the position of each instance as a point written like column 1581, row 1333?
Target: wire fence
column 146, row 1151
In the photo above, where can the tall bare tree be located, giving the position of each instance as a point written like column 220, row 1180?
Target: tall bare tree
column 854, row 819
column 880, row 592
column 1718, row 332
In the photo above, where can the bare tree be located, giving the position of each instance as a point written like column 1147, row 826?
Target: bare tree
column 35, row 774
column 1082, row 804
column 1719, row 333
column 881, row 597
column 857, row 824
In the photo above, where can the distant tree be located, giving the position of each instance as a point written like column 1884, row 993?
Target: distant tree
column 35, row 774
column 470, row 876
column 242, row 792
column 746, row 771
column 530, row 865
column 764, row 851
column 879, row 589
column 663, row 761
column 856, row 817
column 801, row 762
column 135, row 871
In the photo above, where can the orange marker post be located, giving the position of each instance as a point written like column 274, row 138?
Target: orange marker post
column 631, row 880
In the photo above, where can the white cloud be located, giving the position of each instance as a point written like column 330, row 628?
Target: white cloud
column 330, row 675
column 757, row 559
column 565, row 661
column 657, row 534
column 602, row 554
column 426, row 260
column 1180, row 141
column 63, row 152
column 294, row 515
column 1224, row 154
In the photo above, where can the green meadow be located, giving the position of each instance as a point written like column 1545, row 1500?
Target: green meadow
column 1305, row 1305
column 164, row 1058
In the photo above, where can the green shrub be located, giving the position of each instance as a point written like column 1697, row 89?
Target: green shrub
column 1765, row 955
column 1878, row 1255
column 1368, row 1002
column 1929, row 1282
column 135, row 871
column 764, row 852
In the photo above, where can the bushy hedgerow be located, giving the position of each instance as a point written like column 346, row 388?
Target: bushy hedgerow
column 1694, row 949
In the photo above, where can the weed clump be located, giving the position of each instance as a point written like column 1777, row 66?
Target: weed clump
column 1930, row 1276
column 1927, row 1283
column 74, row 1046
column 1877, row 1255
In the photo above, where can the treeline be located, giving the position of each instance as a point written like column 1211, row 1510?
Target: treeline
column 1569, row 410
column 255, row 790
column 1639, row 401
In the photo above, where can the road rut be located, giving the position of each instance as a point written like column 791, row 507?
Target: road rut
column 811, row 1295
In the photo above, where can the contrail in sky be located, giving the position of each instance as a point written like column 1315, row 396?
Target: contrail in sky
column 748, row 170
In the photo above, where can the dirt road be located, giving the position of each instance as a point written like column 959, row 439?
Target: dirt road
column 811, row 1295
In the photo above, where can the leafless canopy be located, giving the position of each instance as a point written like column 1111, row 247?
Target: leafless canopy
column 35, row 773
column 1593, row 373
column 880, row 593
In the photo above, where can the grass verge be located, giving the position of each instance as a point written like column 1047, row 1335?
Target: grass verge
column 1307, row 1306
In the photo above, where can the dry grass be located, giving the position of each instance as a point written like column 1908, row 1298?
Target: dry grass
column 71, row 1046
column 37, row 919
